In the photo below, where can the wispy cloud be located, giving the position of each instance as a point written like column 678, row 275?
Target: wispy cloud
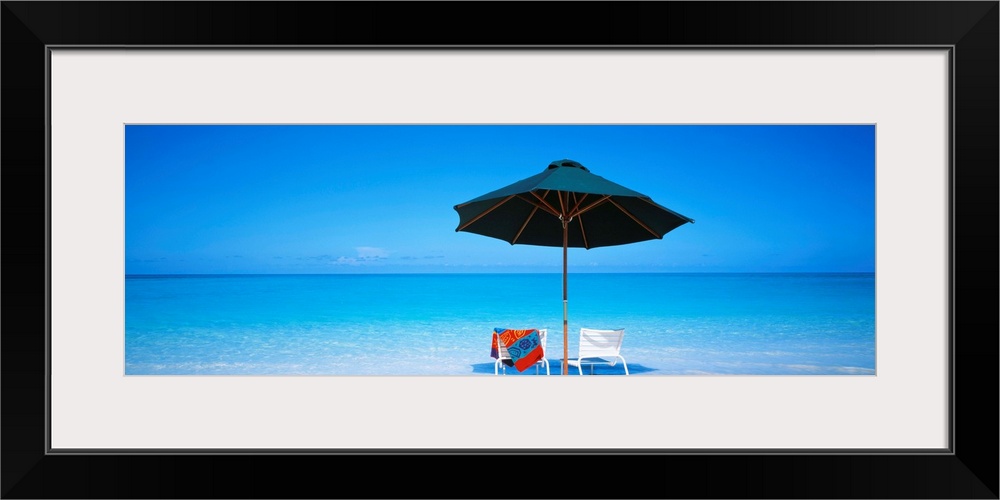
column 364, row 255
column 316, row 257
column 411, row 257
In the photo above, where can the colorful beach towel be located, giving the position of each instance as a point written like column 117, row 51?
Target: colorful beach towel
column 495, row 350
column 524, row 346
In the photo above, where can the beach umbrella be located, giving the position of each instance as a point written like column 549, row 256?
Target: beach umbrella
column 567, row 206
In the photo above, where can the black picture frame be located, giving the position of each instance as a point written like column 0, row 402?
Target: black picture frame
column 970, row 29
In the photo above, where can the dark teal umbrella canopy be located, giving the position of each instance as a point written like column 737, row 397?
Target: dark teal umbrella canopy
column 567, row 206
column 599, row 212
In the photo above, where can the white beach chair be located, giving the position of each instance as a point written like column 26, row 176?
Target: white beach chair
column 599, row 347
column 505, row 356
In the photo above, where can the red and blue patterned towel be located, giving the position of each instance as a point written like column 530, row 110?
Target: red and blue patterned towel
column 495, row 351
column 524, row 346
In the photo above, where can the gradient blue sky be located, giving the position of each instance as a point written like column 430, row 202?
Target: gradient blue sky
column 379, row 198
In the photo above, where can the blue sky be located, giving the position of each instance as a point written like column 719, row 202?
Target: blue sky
column 379, row 198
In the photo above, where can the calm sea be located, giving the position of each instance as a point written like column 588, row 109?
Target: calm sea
column 441, row 324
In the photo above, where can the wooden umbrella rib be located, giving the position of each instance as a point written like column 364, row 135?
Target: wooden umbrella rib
column 574, row 212
column 484, row 213
column 582, row 232
column 549, row 207
column 536, row 204
column 526, row 221
column 637, row 221
column 591, row 206
column 651, row 202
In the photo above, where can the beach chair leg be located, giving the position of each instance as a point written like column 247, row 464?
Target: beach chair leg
column 624, row 364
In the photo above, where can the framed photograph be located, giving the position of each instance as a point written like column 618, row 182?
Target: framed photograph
column 226, row 185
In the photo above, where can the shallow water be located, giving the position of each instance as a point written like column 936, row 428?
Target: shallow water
column 441, row 324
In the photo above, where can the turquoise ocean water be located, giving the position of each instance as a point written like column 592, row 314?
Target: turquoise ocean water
column 441, row 324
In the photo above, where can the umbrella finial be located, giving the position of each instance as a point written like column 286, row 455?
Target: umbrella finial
column 567, row 163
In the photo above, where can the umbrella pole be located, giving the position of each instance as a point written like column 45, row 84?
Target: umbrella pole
column 565, row 364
